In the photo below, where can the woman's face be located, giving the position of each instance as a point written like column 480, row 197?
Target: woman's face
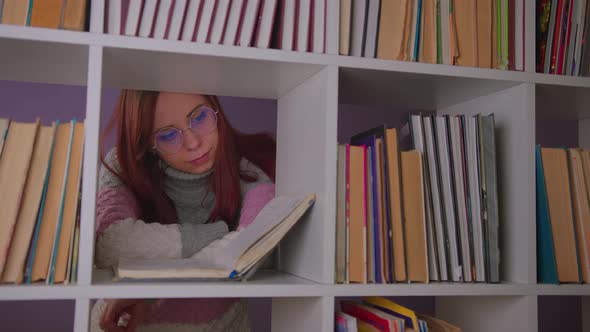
column 191, row 151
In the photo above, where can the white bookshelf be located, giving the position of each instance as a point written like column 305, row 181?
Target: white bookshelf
column 309, row 89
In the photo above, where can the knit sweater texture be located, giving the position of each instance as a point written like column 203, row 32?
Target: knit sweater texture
column 120, row 233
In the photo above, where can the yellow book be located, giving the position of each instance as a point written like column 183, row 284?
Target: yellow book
column 392, row 308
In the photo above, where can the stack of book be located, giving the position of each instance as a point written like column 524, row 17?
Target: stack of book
column 54, row 14
column 482, row 33
column 381, row 314
column 563, row 37
column 563, row 215
column 40, row 171
column 427, row 214
column 297, row 25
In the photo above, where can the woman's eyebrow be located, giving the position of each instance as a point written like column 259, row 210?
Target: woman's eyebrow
column 194, row 109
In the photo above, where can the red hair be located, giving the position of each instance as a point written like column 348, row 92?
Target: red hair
column 140, row 171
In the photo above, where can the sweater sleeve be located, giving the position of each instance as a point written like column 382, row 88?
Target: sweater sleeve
column 120, row 232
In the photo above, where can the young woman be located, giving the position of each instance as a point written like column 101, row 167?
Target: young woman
column 179, row 178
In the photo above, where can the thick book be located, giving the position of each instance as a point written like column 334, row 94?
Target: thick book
column 14, row 167
column 32, row 195
column 233, row 257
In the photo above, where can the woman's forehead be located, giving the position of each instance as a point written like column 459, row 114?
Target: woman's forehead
column 173, row 107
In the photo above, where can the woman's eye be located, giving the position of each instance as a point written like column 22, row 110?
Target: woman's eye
column 167, row 135
column 199, row 118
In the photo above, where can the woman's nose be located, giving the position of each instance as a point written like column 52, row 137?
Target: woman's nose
column 191, row 140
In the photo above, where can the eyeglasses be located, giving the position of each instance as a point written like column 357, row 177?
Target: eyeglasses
column 201, row 121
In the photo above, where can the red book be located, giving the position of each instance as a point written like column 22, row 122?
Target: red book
column 380, row 320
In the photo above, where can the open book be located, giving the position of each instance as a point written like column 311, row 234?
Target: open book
column 233, row 257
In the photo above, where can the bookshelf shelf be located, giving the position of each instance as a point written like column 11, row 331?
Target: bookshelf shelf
column 310, row 89
column 433, row 289
column 563, row 290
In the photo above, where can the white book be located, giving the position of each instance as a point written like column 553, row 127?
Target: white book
column 147, row 18
column 303, row 25
column 205, row 21
column 219, row 21
column 265, row 23
column 248, row 23
column 460, row 194
column 114, row 17
column 319, row 26
column 176, row 19
column 351, row 324
column 190, row 22
column 132, row 17
column 372, row 28
column 444, row 158
column 233, row 22
column 417, row 132
column 475, row 196
column 357, row 29
column 162, row 19
column 434, row 190
column 287, row 25
column 233, row 257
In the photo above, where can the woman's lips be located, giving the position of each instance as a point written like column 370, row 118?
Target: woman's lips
column 201, row 160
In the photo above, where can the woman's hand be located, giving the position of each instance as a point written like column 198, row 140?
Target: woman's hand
column 133, row 310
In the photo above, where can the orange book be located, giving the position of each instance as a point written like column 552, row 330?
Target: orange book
column 465, row 14
column 392, row 25
column 16, row 12
column 395, row 203
column 428, row 46
column 74, row 17
column 53, row 200
column 14, row 167
column 357, row 249
column 415, row 216
column 484, row 33
column 581, row 210
column 559, row 199
column 13, row 272
column 46, row 13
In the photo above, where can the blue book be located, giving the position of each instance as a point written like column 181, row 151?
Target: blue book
column 546, row 265
column 376, row 132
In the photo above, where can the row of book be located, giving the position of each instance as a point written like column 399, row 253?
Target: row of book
column 477, row 33
column 295, row 25
column 563, row 215
column 428, row 213
column 40, row 172
column 383, row 315
column 563, row 37
column 54, row 14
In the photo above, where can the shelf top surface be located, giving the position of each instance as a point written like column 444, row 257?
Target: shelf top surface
column 55, row 40
column 271, row 284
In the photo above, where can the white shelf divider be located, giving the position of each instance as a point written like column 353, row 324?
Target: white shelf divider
column 91, row 161
column 306, row 159
column 82, row 314
column 287, row 314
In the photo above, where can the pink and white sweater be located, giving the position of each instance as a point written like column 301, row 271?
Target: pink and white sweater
column 120, row 233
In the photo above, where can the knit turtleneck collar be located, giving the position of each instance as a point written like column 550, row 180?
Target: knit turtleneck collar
column 176, row 174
